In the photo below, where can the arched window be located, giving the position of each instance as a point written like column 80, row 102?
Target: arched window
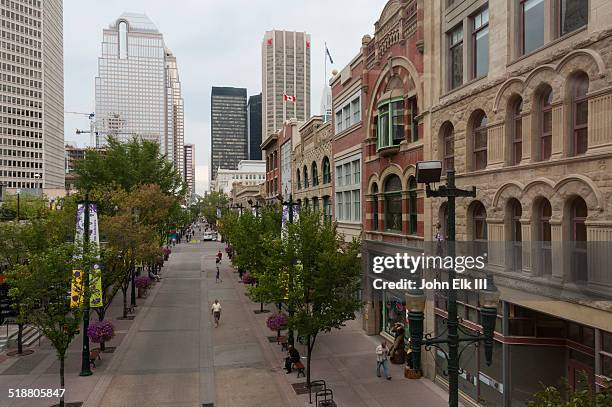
column 513, row 223
column 305, row 173
column 393, row 203
column 479, row 141
column 578, row 230
column 517, row 131
column 479, row 222
column 326, row 171
column 580, row 110
column 314, row 174
column 374, row 207
column 544, row 235
column 327, row 211
column 412, row 206
column 448, row 146
column 315, row 204
column 299, row 180
column 443, row 220
column 545, row 139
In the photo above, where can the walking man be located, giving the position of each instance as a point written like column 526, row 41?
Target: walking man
column 218, row 276
column 382, row 359
column 216, row 311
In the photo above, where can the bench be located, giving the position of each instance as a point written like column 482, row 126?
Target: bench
column 299, row 366
column 282, row 340
column 94, row 355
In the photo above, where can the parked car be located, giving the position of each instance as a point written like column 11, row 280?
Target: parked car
column 210, row 236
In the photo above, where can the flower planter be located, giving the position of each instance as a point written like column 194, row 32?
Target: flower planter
column 142, row 292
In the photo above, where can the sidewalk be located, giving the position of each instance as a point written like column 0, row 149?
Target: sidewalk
column 346, row 360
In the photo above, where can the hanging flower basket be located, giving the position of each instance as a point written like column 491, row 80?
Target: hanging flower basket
column 277, row 321
column 143, row 282
column 100, row 331
column 248, row 279
column 166, row 252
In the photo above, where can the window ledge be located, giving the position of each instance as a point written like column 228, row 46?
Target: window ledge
column 349, row 129
column 547, row 45
column 388, row 151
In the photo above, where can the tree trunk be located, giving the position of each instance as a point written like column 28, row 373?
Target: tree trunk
column 20, row 339
column 261, row 306
column 62, row 358
column 309, row 351
column 125, row 310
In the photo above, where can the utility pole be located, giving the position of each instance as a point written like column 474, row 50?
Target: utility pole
column 85, row 366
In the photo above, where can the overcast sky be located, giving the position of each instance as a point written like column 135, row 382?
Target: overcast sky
column 216, row 43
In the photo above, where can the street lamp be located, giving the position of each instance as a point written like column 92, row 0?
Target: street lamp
column 429, row 172
column 256, row 206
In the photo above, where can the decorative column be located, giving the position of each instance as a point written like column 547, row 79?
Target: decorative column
column 558, row 130
column 496, row 244
column 600, row 122
column 527, row 249
column 599, row 236
column 404, row 212
column 495, row 145
column 558, row 255
column 526, row 138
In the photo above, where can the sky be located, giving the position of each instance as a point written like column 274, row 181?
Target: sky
column 216, row 43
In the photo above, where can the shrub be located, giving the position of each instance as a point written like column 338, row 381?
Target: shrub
column 143, row 282
column 277, row 321
column 100, row 331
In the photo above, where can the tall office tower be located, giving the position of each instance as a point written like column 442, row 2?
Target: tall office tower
column 189, row 168
column 254, row 127
column 138, row 90
column 285, row 75
column 175, row 116
column 228, row 128
column 32, row 96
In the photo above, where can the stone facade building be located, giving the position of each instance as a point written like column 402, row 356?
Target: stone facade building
column 278, row 152
column 312, row 176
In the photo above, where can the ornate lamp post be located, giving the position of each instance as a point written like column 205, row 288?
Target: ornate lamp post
column 429, row 172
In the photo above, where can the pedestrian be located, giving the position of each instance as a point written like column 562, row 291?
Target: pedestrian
column 382, row 359
column 293, row 356
column 218, row 276
column 219, row 255
column 216, row 312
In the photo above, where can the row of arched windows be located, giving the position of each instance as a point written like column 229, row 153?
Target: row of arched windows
column 305, row 181
column 574, row 228
column 541, row 128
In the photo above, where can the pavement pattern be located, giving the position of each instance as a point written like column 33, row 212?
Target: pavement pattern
column 171, row 354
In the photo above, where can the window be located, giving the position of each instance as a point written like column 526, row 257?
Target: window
column 348, row 189
column 479, row 222
column 455, row 40
column 299, row 180
column 516, row 235
column 123, row 49
column 578, row 215
column 391, row 122
column 545, row 144
column 356, row 110
column 580, row 110
column 374, row 207
column 412, row 206
column 305, row 172
column 448, row 146
column 544, row 236
column 393, row 203
column 572, row 15
column 315, row 204
column 349, row 113
column 479, row 140
column 480, row 43
column 532, row 25
column 517, row 132
column 327, row 213
column 326, row 171
column 314, row 174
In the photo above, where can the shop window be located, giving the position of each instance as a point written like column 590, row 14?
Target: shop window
column 532, row 25
column 394, row 311
column 393, row 203
column 455, row 52
column 572, row 15
column 412, row 206
column 580, row 113
column 480, row 43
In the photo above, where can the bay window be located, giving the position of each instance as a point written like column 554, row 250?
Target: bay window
column 391, row 120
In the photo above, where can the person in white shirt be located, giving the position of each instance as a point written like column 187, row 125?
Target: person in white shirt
column 216, row 311
column 382, row 359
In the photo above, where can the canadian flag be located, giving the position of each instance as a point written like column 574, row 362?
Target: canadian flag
column 289, row 98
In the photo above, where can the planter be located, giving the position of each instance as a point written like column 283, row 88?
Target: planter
column 142, row 292
column 412, row 373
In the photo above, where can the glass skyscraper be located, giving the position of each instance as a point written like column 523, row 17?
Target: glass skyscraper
column 138, row 91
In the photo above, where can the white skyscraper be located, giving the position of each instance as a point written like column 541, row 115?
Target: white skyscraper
column 138, row 92
column 32, row 96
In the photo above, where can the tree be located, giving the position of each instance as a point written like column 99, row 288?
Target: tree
column 127, row 164
column 208, row 206
column 325, row 280
column 42, row 286
column 551, row 396
column 30, row 206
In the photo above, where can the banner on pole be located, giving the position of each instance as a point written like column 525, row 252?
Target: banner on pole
column 95, row 274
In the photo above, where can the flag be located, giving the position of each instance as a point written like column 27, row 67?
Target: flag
column 289, row 98
column 328, row 54
column 269, row 41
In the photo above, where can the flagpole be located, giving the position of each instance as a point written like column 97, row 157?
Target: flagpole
column 325, row 58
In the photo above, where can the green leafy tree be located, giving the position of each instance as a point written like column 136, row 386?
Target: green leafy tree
column 583, row 396
column 208, row 206
column 325, row 280
column 127, row 164
column 42, row 286
column 31, row 206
